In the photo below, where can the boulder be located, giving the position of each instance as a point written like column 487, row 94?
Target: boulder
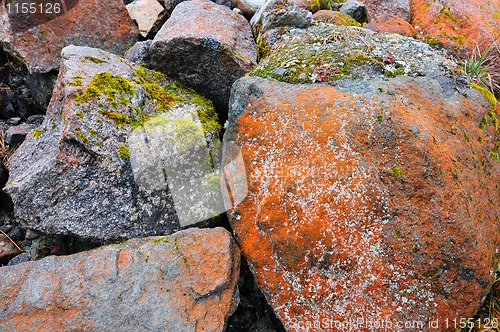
column 37, row 41
column 183, row 282
column 371, row 199
column 121, row 153
column 41, row 86
column 355, row 9
column 279, row 13
column 390, row 16
column 334, row 17
column 248, row 7
column 139, row 53
column 148, row 14
column 206, row 46
column 15, row 135
column 8, row 249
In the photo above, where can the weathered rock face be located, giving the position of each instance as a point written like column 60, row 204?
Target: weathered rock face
column 206, row 46
column 8, row 249
column 278, row 13
column 456, row 25
column 390, row 16
column 104, row 24
column 113, row 134
column 183, row 282
column 374, row 199
column 148, row 14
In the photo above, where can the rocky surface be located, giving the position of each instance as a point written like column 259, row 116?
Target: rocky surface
column 278, row 13
column 207, row 47
column 15, row 135
column 38, row 43
column 183, row 282
column 148, row 14
column 8, row 248
column 372, row 198
column 456, row 25
column 93, row 175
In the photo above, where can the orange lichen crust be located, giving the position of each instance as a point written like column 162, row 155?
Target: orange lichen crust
column 334, row 235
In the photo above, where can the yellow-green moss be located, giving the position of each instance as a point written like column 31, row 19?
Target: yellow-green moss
column 187, row 134
column 212, row 183
column 486, row 93
column 342, row 55
column 95, row 60
column 82, row 137
column 163, row 99
column 79, row 115
column 76, row 81
column 37, row 132
column 123, row 152
column 446, row 12
column 107, row 85
column 263, row 47
column 396, row 171
column 494, row 155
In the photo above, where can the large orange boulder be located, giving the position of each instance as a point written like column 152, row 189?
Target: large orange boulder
column 373, row 201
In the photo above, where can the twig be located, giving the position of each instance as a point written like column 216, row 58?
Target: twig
column 11, row 241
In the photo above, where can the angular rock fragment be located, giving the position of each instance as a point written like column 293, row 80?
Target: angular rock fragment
column 206, row 46
column 37, row 40
column 183, row 282
column 279, row 13
column 148, row 14
column 117, row 142
column 374, row 196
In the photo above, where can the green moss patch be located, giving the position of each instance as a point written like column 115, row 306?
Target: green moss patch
column 123, row 152
column 37, row 132
column 187, row 134
column 105, row 84
column 396, row 171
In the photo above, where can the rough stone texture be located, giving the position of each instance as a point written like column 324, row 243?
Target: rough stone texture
column 355, row 9
column 328, row 53
column 86, row 172
column 41, row 87
column 278, row 13
column 374, row 199
column 456, row 24
column 334, row 17
column 206, row 46
column 103, row 24
column 183, row 282
column 15, row 135
column 7, row 249
column 390, row 16
column 248, row 7
column 139, row 53
column 148, row 14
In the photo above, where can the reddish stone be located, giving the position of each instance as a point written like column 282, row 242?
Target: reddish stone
column 457, row 24
column 103, row 24
column 377, row 202
column 8, row 249
column 183, row 282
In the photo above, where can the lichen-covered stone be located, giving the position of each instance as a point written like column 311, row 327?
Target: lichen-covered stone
column 206, row 46
column 375, row 199
column 279, row 13
column 456, row 25
column 183, row 282
column 86, row 172
column 103, row 24
column 328, row 53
